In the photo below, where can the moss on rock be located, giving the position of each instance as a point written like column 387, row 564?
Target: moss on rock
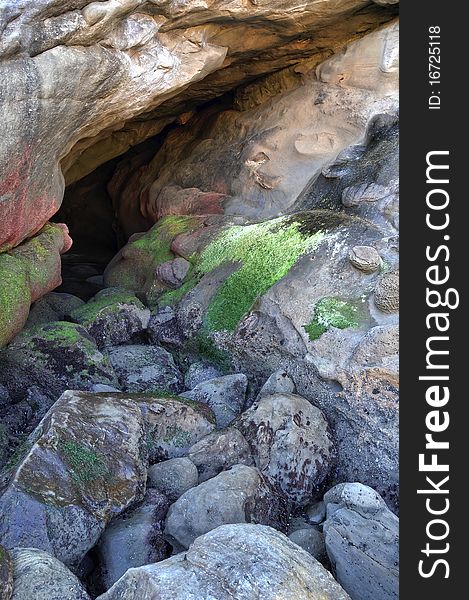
column 265, row 252
column 333, row 312
column 85, row 463
column 105, row 302
column 15, row 296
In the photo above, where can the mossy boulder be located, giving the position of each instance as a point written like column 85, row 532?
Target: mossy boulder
column 86, row 463
column 28, row 272
column 112, row 317
column 54, row 357
column 133, row 268
column 262, row 254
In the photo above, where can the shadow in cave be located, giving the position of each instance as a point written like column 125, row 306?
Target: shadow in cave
column 92, row 218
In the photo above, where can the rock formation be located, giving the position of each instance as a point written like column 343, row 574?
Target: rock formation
column 213, row 365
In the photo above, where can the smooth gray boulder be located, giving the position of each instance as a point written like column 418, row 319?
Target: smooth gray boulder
column 278, row 383
column 219, row 451
column 362, row 542
column 225, row 396
column 291, row 444
column 240, row 495
column 233, row 562
column 52, row 307
column 133, row 539
column 145, row 369
column 312, row 541
column 173, row 477
column 39, row 576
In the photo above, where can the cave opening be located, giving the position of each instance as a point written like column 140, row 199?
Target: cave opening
column 92, row 217
column 102, row 214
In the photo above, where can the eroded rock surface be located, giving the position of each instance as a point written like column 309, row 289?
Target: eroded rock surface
column 291, row 444
column 362, row 541
column 132, row 59
column 212, row 566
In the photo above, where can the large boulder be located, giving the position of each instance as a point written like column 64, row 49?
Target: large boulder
column 27, row 273
column 85, row 463
column 133, row 539
column 291, row 444
column 40, row 576
column 54, row 357
column 240, row 495
column 362, row 541
column 239, row 562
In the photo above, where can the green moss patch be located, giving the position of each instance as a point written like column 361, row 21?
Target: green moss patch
column 15, row 296
column 104, row 302
column 157, row 241
column 176, row 436
column 333, row 312
column 86, row 464
column 265, row 253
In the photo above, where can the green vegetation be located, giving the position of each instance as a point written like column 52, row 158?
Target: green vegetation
column 172, row 297
column 15, row 296
column 157, row 241
column 106, row 301
column 265, row 253
column 333, row 312
column 86, row 464
column 203, row 346
column 177, row 436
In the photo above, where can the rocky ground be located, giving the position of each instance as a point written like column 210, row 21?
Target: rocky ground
column 207, row 406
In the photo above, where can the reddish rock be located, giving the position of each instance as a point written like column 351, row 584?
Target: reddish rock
column 174, row 200
column 187, row 244
column 172, row 272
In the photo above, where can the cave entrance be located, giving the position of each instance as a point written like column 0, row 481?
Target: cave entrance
column 88, row 211
column 93, row 219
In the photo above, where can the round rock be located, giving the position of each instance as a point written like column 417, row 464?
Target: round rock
column 173, row 477
column 365, row 258
column 291, row 444
column 39, row 575
column 387, row 292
